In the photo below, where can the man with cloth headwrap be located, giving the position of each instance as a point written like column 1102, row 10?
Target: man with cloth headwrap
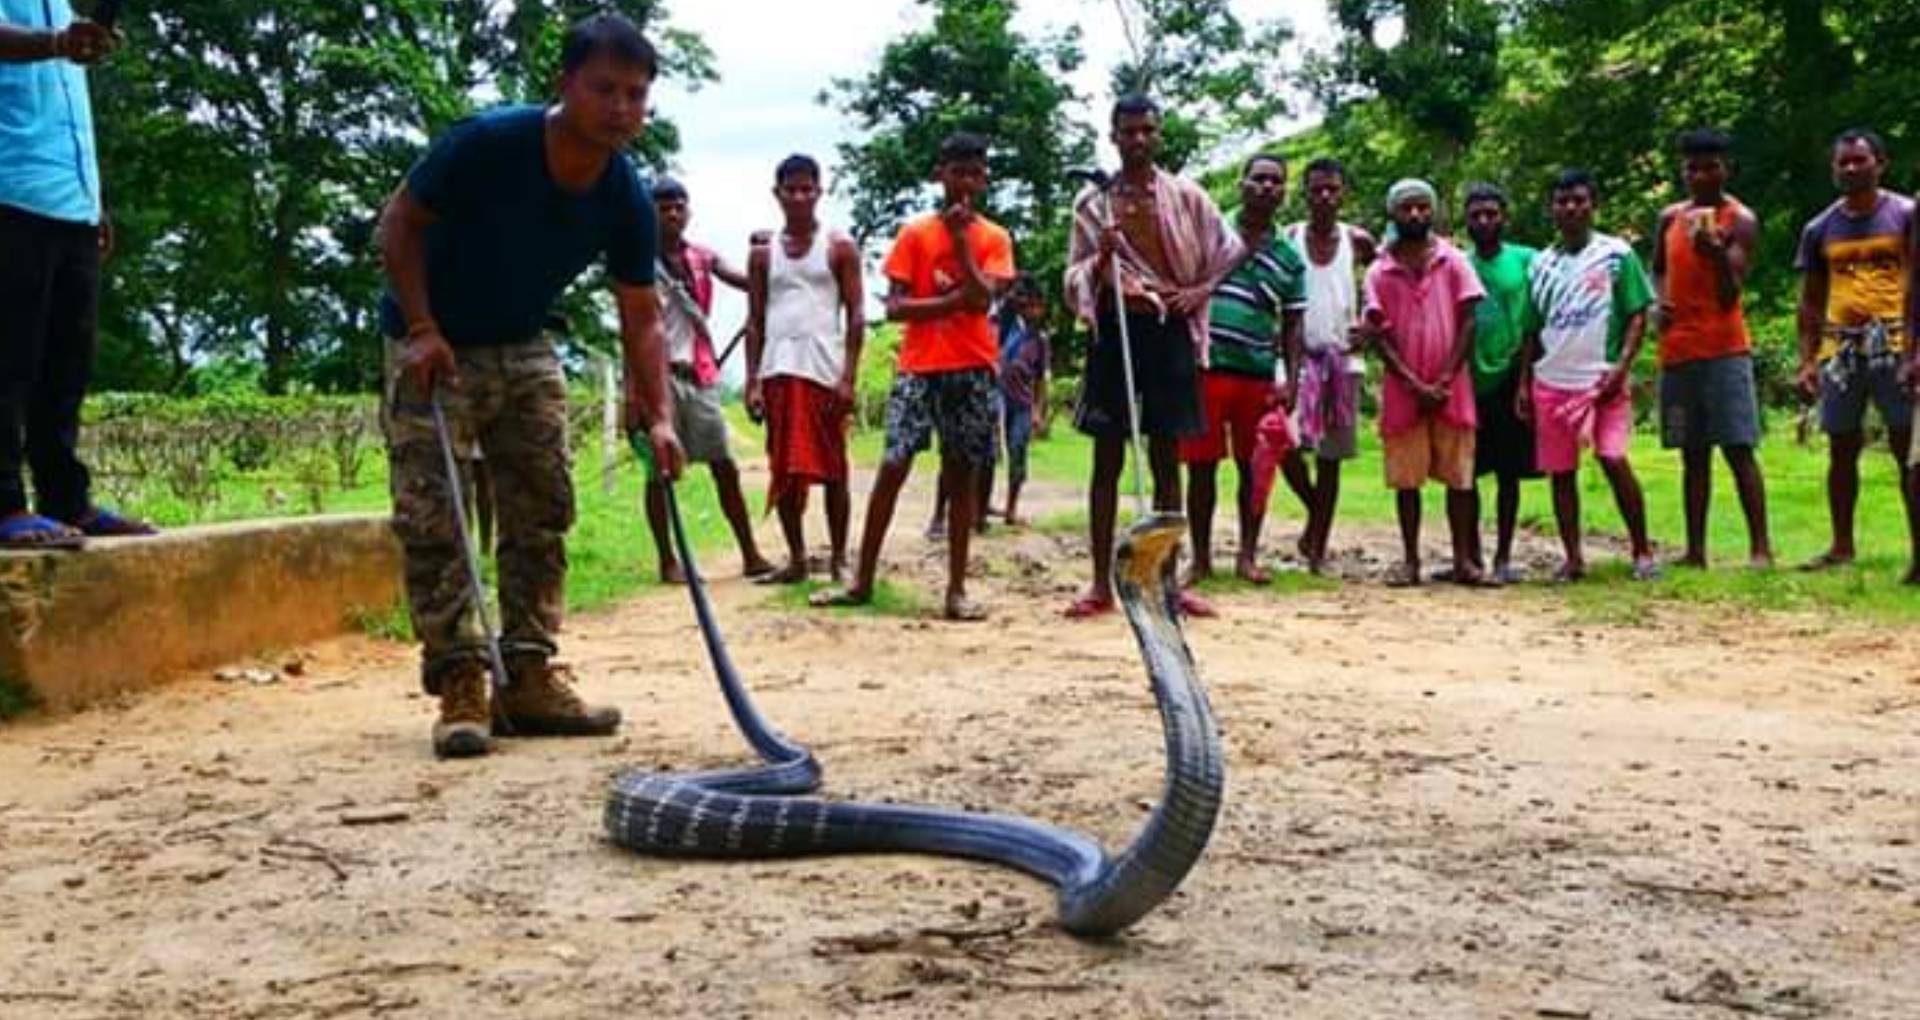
column 1419, row 301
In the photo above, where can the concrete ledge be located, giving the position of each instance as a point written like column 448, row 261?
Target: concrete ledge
column 123, row 614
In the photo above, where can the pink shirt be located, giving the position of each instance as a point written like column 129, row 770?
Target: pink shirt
column 1423, row 312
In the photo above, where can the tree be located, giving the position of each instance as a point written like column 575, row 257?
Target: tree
column 1439, row 76
column 968, row 71
column 248, row 146
column 1217, row 78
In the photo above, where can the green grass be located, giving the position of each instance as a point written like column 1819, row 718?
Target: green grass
column 1796, row 499
column 611, row 552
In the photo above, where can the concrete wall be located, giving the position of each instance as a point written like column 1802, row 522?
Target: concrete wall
column 125, row 613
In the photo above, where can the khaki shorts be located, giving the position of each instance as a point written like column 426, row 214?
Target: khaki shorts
column 1430, row 450
column 699, row 421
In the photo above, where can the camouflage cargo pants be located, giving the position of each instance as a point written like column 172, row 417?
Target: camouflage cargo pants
column 511, row 409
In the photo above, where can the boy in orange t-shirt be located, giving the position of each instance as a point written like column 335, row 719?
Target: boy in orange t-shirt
column 944, row 270
column 1702, row 249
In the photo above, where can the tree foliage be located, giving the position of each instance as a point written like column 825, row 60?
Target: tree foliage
column 1218, row 78
column 968, row 70
column 1608, row 85
column 248, row 146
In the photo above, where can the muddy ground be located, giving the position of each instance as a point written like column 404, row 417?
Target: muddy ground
column 1441, row 803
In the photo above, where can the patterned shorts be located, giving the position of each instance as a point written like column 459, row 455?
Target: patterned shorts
column 960, row 406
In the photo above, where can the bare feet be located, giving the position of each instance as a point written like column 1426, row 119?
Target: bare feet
column 961, row 609
column 1466, row 575
column 1570, row 571
column 756, row 567
column 670, row 573
column 1692, row 561
column 1404, row 575
column 840, row 598
column 1762, row 560
column 1828, row 560
column 1250, row 571
column 792, row 573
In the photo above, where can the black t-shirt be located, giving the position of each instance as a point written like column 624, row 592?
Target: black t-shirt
column 509, row 240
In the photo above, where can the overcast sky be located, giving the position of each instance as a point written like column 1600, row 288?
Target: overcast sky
column 775, row 58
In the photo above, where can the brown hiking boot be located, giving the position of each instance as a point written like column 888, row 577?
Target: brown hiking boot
column 540, row 702
column 465, row 713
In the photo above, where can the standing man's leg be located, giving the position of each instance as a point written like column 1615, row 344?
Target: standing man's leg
column 910, row 426
column 28, row 256
column 1843, row 492
column 657, row 525
column 1247, row 565
column 1752, row 489
column 439, row 594
column 1566, row 517
column 1686, row 424
column 733, row 505
column 791, row 507
column 525, row 442
column 1202, row 494
column 1506, row 522
column 1696, row 469
column 1453, row 453
column 1103, row 506
column 1633, row 511
column 839, row 505
column 965, row 508
column 881, row 503
column 1408, row 460
column 1612, row 432
column 1406, row 509
column 60, row 480
column 1843, row 414
column 1019, row 438
column 942, row 496
column 966, row 412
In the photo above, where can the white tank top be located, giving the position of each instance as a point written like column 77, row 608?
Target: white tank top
column 1332, row 299
column 804, row 337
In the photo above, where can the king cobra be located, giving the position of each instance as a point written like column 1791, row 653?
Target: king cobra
column 761, row 812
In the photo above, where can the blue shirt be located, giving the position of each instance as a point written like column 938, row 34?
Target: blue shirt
column 47, row 162
column 509, row 241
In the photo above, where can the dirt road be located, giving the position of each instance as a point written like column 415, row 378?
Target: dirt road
column 1441, row 804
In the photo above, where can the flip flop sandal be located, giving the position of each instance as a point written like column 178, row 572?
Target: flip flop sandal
column 29, row 532
column 1193, row 605
column 100, row 523
column 1086, row 607
column 1647, row 570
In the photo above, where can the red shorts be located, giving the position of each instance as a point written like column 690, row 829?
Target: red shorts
column 1234, row 405
column 806, row 434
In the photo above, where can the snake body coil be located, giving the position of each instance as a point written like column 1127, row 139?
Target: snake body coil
column 763, row 811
